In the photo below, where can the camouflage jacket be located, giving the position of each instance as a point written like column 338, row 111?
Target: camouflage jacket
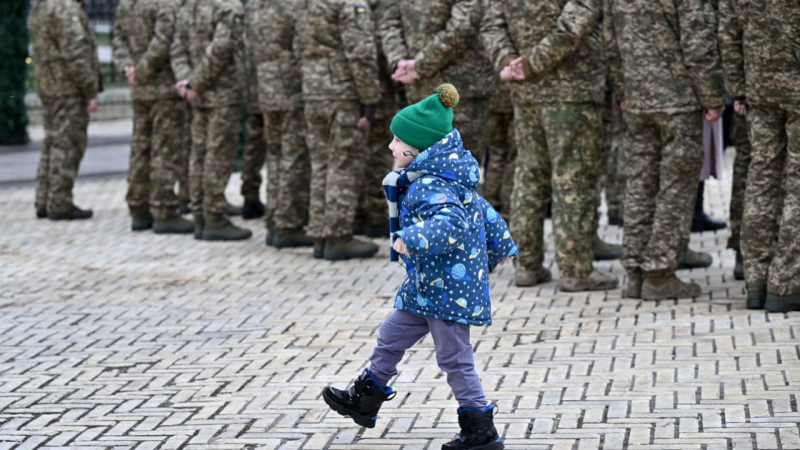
column 340, row 59
column 273, row 54
column 388, row 105
column 142, row 35
column 662, row 55
column 761, row 40
column 64, row 50
column 208, row 50
column 442, row 37
column 560, row 42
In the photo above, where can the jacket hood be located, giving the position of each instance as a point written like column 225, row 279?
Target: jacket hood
column 449, row 160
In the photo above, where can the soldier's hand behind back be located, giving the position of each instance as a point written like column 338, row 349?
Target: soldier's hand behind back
column 91, row 105
column 740, row 107
column 712, row 115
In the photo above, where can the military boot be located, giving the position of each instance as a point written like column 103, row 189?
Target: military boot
column 319, row 248
column 662, row 287
column 232, row 210
column 603, row 251
column 219, row 228
column 252, row 210
column 377, row 231
column 184, row 208
column 782, row 303
column 74, row 213
column 362, row 401
column 635, row 280
column 596, row 281
column 173, row 225
column 337, row 249
column 141, row 219
column 756, row 294
column 738, row 268
column 199, row 226
column 477, row 431
column 41, row 212
column 270, row 237
column 695, row 260
column 528, row 278
column 291, row 238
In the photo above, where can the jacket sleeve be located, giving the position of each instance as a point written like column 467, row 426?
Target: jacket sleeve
column 78, row 51
column 450, row 44
column 494, row 36
column 358, row 39
column 229, row 20
column 499, row 243
column 442, row 221
column 157, row 52
column 577, row 20
column 731, row 49
column 700, row 53
column 122, row 54
column 611, row 50
column 179, row 51
column 390, row 26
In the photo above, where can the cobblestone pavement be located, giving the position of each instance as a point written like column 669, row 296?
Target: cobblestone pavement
column 117, row 340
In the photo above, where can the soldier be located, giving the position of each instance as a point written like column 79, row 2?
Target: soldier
column 553, row 51
column 761, row 71
column 667, row 57
column 208, row 60
column 341, row 91
column 275, row 57
column 67, row 80
column 435, row 42
column 255, row 148
column 142, row 34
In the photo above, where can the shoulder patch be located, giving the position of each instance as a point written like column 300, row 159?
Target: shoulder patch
column 361, row 9
column 75, row 17
column 237, row 18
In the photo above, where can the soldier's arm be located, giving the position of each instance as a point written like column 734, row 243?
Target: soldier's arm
column 494, row 36
column 390, row 25
column 78, row 51
column 577, row 20
column 157, row 53
column 700, row 54
column 358, row 39
column 219, row 52
column 611, row 50
column 731, row 49
column 179, row 51
column 122, row 54
column 450, row 44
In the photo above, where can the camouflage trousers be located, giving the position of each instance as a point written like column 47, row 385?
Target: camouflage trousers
column 184, row 153
column 155, row 150
column 471, row 119
column 288, row 169
column 663, row 162
column 253, row 157
column 771, row 220
column 65, row 124
column 558, row 143
column 500, row 162
column 335, row 145
column 614, row 178
column 741, row 164
column 376, row 163
column 214, row 138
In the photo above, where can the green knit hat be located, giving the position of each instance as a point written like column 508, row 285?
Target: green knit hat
column 426, row 122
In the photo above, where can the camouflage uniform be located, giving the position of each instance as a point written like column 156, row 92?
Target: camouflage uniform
column 741, row 165
column 442, row 36
column 66, row 66
column 502, row 154
column 615, row 171
column 340, row 76
column 759, row 40
column 277, row 63
column 255, row 148
column 183, row 154
column 667, row 56
column 557, row 123
column 207, row 50
column 142, row 34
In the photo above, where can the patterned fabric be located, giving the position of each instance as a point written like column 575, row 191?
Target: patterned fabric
column 453, row 235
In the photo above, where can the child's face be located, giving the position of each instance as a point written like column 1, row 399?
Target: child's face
column 403, row 153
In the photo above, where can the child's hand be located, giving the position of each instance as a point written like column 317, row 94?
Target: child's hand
column 400, row 247
column 506, row 261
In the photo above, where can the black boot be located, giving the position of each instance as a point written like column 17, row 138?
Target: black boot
column 477, row 431
column 252, row 210
column 361, row 402
column 74, row 213
column 702, row 221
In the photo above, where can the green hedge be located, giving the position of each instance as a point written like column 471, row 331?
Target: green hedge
column 13, row 53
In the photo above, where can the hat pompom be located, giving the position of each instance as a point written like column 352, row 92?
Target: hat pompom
column 448, row 95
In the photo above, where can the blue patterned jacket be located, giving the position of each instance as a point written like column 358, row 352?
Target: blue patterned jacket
column 453, row 235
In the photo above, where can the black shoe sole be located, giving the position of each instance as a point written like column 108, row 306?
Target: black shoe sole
column 142, row 227
column 359, row 419
column 216, row 237
column 491, row 446
column 755, row 303
column 781, row 306
column 606, row 256
column 251, row 216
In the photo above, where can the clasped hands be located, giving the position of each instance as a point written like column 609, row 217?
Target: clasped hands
column 406, row 72
column 184, row 91
column 513, row 71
